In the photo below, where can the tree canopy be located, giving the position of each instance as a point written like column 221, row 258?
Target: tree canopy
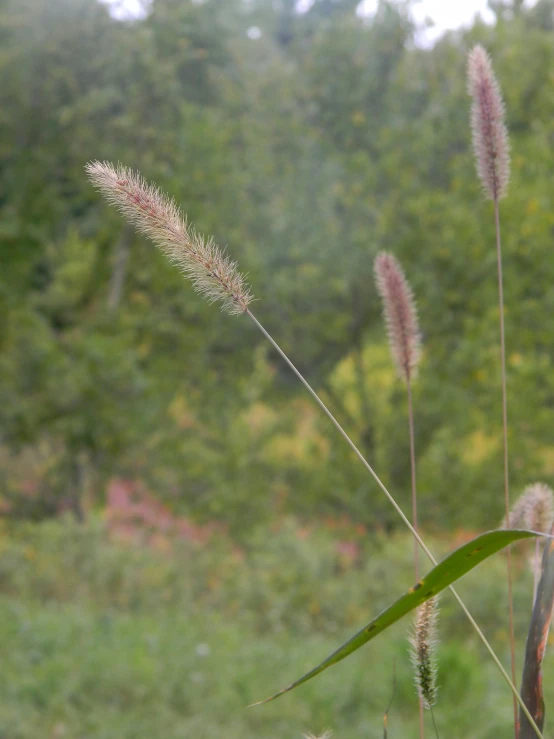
column 304, row 148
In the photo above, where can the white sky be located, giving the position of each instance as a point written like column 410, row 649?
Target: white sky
column 445, row 14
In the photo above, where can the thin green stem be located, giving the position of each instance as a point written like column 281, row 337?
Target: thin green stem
column 505, row 443
column 400, row 512
column 386, row 714
column 434, row 723
column 413, row 475
column 414, row 515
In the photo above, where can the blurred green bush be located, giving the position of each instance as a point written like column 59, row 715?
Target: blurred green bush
column 108, row 638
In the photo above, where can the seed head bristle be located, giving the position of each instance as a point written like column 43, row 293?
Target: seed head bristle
column 326, row 735
column 400, row 314
column 213, row 274
column 490, row 136
column 534, row 509
column 424, row 642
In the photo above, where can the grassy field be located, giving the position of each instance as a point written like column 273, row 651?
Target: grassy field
column 151, row 637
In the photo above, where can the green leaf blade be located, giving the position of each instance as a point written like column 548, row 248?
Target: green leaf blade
column 453, row 567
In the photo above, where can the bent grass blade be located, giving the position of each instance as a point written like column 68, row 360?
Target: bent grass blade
column 457, row 564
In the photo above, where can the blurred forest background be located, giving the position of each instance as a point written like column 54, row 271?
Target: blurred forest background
column 304, row 142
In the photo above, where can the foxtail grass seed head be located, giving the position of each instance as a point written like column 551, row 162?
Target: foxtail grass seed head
column 400, row 314
column 424, row 642
column 326, row 735
column 490, row 136
column 213, row 274
column 534, row 509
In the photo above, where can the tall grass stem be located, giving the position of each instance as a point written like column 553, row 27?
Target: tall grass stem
column 413, row 476
column 506, row 457
column 434, row 723
column 414, row 516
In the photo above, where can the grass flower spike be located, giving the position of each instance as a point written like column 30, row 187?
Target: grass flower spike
column 400, row 314
column 490, row 137
column 424, row 642
column 534, row 510
column 212, row 273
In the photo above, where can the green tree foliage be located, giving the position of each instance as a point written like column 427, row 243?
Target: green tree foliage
column 304, row 142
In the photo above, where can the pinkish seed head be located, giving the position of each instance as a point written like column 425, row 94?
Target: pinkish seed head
column 534, row 509
column 400, row 314
column 490, row 136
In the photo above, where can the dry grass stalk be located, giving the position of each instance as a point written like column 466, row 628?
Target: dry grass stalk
column 400, row 315
column 492, row 156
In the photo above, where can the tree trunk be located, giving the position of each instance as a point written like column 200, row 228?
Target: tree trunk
column 121, row 258
column 77, row 482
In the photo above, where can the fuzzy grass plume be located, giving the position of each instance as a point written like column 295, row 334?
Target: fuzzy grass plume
column 490, row 136
column 213, row 274
column 400, row 314
column 423, row 642
column 533, row 510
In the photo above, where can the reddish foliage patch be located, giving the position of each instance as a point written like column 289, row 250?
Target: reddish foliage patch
column 131, row 512
column 349, row 551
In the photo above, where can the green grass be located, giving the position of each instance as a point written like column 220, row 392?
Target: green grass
column 99, row 639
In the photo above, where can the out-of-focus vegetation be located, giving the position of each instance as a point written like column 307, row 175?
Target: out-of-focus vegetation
column 304, row 150
column 106, row 635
